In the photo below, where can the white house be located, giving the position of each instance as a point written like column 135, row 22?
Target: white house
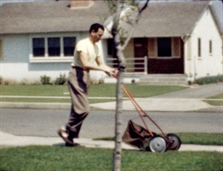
column 179, row 38
column 38, row 38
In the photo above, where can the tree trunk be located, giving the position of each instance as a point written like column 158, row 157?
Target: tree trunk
column 118, row 116
column 118, row 124
column 121, row 64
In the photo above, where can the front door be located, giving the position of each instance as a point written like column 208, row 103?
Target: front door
column 140, row 51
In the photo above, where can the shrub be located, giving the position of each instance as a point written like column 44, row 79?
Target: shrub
column 209, row 80
column 25, row 82
column 61, row 80
column 1, row 80
column 45, row 80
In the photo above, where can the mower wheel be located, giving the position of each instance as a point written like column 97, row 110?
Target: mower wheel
column 174, row 142
column 157, row 144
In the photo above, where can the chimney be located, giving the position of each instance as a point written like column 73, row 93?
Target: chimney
column 80, row 3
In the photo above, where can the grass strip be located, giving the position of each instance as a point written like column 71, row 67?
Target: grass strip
column 215, row 100
column 99, row 90
column 219, row 96
column 191, row 138
column 201, row 138
column 57, row 158
column 50, row 100
column 214, row 103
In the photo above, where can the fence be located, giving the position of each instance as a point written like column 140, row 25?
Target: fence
column 133, row 65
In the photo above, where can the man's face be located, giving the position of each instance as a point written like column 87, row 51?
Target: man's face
column 97, row 35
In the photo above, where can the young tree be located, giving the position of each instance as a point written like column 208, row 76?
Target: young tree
column 125, row 16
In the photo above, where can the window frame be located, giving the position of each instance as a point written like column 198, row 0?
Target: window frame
column 47, row 58
column 176, row 47
column 152, row 48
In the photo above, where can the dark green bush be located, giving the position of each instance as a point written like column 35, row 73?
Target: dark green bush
column 61, row 80
column 209, row 80
column 45, row 80
column 1, row 80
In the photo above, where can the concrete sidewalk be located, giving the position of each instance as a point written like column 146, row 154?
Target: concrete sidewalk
column 147, row 104
column 8, row 140
column 160, row 104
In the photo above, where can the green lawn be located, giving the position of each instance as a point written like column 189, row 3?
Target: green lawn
column 219, row 96
column 58, row 158
column 201, row 138
column 49, row 100
column 215, row 100
column 33, row 90
column 101, row 90
column 191, row 138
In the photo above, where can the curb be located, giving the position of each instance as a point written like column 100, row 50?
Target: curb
column 66, row 106
column 19, row 105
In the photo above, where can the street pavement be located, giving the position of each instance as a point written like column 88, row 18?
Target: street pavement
column 190, row 99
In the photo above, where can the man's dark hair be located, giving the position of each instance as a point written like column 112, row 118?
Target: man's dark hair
column 95, row 27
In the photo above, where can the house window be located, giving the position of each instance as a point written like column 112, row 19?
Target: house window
column 199, row 47
column 111, row 47
column 68, row 45
column 111, row 51
column 54, row 46
column 210, row 47
column 44, row 47
column 164, row 47
column 38, row 47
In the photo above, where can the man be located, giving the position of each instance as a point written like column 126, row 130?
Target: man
column 85, row 55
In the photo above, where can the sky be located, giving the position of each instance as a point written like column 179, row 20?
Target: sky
column 7, row 1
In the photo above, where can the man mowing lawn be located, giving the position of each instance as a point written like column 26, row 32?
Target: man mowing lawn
column 86, row 53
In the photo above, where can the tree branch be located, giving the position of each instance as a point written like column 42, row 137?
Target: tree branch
column 144, row 7
column 134, row 24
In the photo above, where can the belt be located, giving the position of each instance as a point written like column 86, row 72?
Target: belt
column 77, row 67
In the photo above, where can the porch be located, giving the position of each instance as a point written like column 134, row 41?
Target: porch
column 137, row 72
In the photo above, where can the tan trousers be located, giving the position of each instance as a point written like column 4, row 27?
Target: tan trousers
column 78, row 84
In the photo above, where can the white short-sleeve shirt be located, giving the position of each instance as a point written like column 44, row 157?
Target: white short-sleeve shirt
column 86, row 46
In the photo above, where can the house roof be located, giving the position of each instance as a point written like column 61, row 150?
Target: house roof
column 159, row 19
column 44, row 17
column 170, row 19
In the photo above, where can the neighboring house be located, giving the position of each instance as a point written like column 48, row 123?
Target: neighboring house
column 38, row 38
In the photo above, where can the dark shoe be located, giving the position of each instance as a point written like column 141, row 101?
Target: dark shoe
column 72, row 145
column 64, row 135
